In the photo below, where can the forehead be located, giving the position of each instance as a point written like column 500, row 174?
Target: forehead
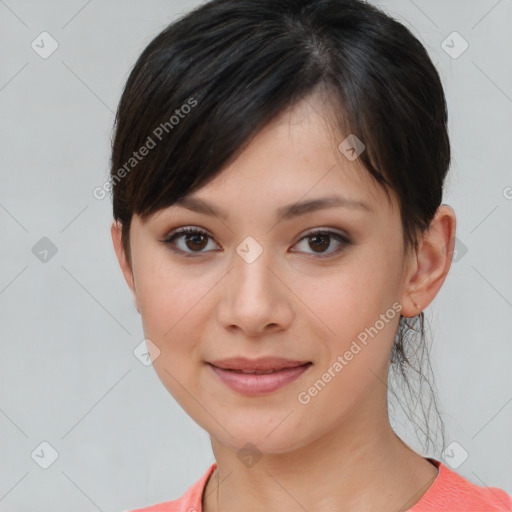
column 290, row 163
column 301, row 153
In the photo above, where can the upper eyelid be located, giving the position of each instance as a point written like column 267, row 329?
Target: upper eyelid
column 183, row 230
column 177, row 232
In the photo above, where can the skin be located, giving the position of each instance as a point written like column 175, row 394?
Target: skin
column 338, row 452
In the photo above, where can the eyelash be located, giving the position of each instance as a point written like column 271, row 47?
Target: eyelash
column 188, row 230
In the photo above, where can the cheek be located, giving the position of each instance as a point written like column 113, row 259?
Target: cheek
column 347, row 298
column 171, row 308
column 356, row 314
column 170, row 305
column 167, row 294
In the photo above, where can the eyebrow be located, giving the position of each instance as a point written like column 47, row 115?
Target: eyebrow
column 285, row 212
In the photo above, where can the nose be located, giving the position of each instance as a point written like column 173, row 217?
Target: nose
column 255, row 298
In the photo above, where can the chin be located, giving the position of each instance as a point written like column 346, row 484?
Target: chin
column 258, row 437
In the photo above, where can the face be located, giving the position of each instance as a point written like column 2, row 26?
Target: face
column 254, row 282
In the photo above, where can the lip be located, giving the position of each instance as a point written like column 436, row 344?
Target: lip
column 261, row 364
column 252, row 384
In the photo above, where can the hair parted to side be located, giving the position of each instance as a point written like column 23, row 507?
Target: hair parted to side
column 213, row 78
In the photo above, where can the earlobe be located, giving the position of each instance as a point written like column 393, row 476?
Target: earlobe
column 433, row 260
column 116, row 232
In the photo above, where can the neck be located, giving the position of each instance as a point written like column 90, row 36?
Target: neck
column 350, row 469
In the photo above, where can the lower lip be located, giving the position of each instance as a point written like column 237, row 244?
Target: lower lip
column 255, row 384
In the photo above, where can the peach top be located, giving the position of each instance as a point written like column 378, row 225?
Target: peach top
column 449, row 492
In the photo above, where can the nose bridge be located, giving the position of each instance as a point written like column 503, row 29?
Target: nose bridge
column 253, row 295
column 251, row 262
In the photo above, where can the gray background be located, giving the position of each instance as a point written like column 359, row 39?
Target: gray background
column 69, row 327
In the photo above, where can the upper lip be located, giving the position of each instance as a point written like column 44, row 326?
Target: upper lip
column 263, row 363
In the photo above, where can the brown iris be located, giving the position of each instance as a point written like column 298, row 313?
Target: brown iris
column 316, row 241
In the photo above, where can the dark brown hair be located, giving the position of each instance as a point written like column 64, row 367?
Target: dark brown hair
column 212, row 79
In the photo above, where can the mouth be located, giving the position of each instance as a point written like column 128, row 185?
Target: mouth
column 256, row 377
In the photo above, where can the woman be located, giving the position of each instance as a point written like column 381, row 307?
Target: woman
column 277, row 177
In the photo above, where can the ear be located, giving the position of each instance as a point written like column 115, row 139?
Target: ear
column 430, row 262
column 116, row 231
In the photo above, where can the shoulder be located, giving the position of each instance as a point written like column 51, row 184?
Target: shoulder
column 189, row 502
column 452, row 492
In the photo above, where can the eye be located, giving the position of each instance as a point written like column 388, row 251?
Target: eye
column 192, row 238
column 321, row 239
column 195, row 241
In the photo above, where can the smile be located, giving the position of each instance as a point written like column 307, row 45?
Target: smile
column 252, row 382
